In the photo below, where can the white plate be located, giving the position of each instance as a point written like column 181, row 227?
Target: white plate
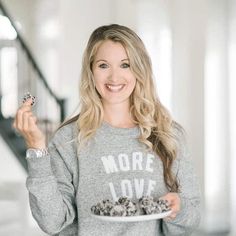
column 132, row 218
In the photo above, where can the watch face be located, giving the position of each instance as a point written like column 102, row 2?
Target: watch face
column 31, row 153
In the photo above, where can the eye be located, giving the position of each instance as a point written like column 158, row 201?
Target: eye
column 103, row 66
column 125, row 65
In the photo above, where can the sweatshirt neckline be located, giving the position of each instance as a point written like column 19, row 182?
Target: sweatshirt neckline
column 118, row 130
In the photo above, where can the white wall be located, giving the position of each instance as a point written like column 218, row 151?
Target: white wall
column 217, row 156
column 153, row 24
column 232, row 113
column 188, row 24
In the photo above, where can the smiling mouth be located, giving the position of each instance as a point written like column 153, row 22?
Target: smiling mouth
column 115, row 88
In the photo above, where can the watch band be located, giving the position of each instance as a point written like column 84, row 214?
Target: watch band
column 36, row 153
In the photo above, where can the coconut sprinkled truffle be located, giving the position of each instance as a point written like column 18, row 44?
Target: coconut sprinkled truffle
column 149, row 206
column 130, row 206
column 118, row 210
column 103, row 208
column 163, row 204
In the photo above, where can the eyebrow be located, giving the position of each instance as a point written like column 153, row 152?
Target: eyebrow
column 126, row 59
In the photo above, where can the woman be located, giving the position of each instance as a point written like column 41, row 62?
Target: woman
column 123, row 143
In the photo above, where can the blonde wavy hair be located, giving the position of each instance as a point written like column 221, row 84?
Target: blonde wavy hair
column 158, row 129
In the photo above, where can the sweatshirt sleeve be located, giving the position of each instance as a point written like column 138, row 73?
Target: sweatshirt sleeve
column 51, row 189
column 188, row 219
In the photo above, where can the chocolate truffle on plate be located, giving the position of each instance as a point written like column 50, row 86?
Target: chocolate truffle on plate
column 102, row 208
column 130, row 206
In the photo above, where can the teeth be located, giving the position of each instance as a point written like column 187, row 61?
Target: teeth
column 115, row 87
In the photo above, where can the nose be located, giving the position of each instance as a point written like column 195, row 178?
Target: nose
column 114, row 75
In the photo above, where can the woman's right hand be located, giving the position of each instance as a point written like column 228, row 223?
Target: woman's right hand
column 26, row 124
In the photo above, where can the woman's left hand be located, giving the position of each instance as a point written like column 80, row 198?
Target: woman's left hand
column 174, row 203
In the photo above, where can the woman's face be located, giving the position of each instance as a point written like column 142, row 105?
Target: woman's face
column 112, row 75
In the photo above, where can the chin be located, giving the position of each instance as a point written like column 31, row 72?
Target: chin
column 115, row 101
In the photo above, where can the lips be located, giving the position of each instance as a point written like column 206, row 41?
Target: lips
column 115, row 88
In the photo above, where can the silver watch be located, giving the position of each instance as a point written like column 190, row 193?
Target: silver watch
column 36, row 153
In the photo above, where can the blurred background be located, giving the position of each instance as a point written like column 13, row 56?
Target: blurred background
column 192, row 44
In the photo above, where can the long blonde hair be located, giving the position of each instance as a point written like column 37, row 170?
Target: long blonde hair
column 155, row 122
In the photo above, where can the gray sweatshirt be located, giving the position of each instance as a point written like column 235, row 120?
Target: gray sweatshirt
column 65, row 184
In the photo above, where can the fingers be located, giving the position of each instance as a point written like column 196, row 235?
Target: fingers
column 29, row 121
column 26, row 107
column 26, row 124
column 174, row 203
column 21, row 121
column 171, row 217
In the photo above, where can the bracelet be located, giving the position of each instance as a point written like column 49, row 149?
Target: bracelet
column 36, row 153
